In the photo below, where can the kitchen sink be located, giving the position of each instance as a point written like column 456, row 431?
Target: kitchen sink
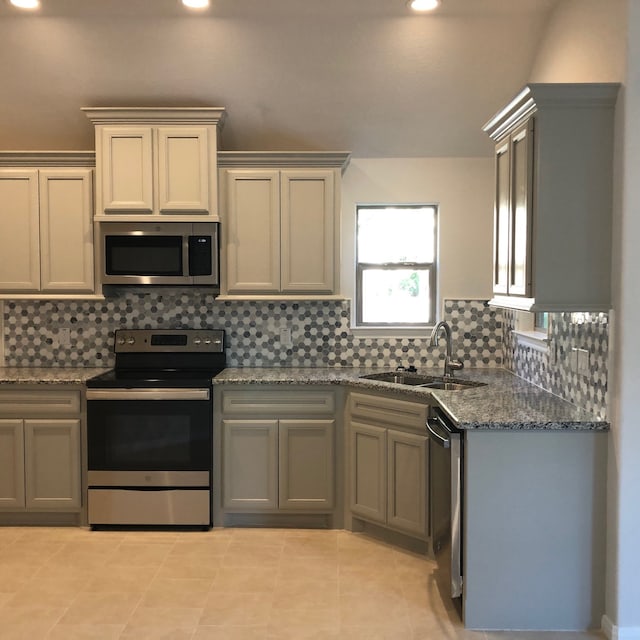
column 428, row 382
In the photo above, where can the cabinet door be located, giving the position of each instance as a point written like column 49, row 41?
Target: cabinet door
column 306, row 464
column 250, row 464
column 183, row 170
column 368, row 472
column 52, row 464
column 11, row 465
column 127, row 169
column 19, row 231
column 521, row 211
column 407, row 481
column 66, row 229
column 253, row 231
column 308, row 231
column 502, row 216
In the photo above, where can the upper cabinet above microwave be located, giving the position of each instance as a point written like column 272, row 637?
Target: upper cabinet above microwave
column 553, row 198
column 156, row 162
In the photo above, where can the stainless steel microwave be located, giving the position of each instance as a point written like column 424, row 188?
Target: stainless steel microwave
column 160, row 253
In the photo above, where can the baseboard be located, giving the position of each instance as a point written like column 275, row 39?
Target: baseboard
column 614, row 632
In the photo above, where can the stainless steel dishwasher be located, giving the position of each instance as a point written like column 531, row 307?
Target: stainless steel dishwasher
column 445, row 501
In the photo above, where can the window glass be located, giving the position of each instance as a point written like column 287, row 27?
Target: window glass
column 396, row 266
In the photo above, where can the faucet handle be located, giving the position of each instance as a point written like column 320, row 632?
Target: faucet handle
column 456, row 365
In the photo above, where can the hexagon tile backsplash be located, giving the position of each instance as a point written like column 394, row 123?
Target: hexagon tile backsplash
column 67, row 333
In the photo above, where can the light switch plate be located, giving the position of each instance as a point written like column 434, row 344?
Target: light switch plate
column 285, row 337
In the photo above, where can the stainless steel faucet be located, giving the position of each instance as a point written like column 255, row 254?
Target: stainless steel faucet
column 450, row 365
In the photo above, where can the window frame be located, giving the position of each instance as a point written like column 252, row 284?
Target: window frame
column 431, row 267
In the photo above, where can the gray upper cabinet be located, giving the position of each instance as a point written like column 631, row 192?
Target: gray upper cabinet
column 156, row 163
column 281, row 224
column 553, row 198
column 46, row 224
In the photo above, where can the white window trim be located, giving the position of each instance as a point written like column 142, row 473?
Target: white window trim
column 527, row 335
column 393, row 331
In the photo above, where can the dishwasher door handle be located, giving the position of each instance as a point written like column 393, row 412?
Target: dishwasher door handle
column 439, row 439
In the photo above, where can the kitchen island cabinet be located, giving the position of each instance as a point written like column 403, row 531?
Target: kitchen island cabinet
column 281, row 231
column 46, row 229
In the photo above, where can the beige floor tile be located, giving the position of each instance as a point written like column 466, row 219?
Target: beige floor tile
column 48, row 592
column 209, row 632
column 544, row 635
column 252, row 555
column 134, row 554
column 391, row 631
column 188, row 566
column 138, row 632
column 25, row 631
column 86, row 632
column 101, row 608
column 237, row 609
column 119, row 579
column 177, row 592
column 305, row 595
column 310, row 568
column 165, row 616
column 247, row 580
column 358, row 611
column 206, row 548
column 322, row 618
column 30, row 614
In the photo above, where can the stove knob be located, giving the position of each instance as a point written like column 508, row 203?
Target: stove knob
column 207, row 340
column 121, row 340
column 131, row 341
column 197, row 341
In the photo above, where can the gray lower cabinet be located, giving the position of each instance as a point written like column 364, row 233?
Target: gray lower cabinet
column 388, row 466
column 39, row 454
column 274, row 457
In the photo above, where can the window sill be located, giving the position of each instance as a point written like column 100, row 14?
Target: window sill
column 391, row 332
column 536, row 340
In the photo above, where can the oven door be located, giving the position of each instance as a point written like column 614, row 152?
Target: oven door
column 149, row 437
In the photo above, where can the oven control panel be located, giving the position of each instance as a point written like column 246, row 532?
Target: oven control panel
column 169, row 341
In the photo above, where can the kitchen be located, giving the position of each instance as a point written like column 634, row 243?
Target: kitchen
column 373, row 179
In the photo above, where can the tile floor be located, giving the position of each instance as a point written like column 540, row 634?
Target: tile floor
column 71, row 583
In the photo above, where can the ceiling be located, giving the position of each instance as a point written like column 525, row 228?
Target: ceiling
column 366, row 76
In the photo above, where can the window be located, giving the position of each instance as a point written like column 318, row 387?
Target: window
column 396, row 265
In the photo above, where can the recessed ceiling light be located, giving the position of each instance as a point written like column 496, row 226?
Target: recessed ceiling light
column 423, row 5
column 196, row 4
column 25, row 4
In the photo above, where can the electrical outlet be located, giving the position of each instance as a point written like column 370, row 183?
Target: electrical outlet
column 285, row 337
column 553, row 353
column 573, row 359
column 583, row 361
column 64, row 337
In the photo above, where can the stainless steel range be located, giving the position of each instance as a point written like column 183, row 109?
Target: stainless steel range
column 149, row 430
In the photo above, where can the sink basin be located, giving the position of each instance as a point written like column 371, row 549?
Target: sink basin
column 401, row 377
column 428, row 382
column 453, row 386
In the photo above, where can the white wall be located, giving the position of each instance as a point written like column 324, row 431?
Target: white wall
column 583, row 42
column 463, row 190
column 586, row 41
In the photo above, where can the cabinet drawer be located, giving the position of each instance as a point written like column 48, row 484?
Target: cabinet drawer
column 47, row 401
column 255, row 402
column 388, row 411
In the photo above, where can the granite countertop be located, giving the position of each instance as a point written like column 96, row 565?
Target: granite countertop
column 507, row 402
column 48, row 375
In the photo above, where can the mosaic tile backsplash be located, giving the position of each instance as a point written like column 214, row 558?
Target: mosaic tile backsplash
column 588, row 331
column 80, row 333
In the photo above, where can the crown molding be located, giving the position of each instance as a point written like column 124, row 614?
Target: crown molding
column 279, row 159
column 55, row 159
column 156, row 115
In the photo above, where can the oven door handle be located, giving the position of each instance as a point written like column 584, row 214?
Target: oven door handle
column 148, row 394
